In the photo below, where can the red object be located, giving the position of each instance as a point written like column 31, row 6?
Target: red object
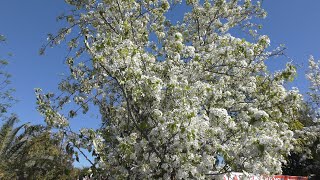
column 283, row 177
column 238, row 176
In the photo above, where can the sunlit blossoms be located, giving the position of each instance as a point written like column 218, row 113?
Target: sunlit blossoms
column 175, row 97
column 311, row 133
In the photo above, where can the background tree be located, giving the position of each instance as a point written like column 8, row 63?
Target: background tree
column 173, row 96
column 43, row 157
column 6, row 98
column 11, row 144
column 33, row 154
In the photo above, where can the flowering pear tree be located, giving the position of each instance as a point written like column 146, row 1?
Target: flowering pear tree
column 173, row 97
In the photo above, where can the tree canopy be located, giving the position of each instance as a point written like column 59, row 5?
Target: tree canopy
column 173, row 97
column 178, row 99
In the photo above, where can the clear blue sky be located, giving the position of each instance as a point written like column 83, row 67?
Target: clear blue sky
column 295, row 23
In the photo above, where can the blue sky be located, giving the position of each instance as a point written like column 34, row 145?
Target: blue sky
column 295, row 23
